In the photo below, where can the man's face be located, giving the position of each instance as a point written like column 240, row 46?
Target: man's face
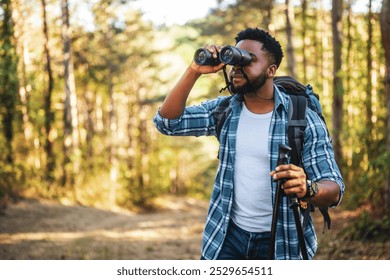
column 256, row 70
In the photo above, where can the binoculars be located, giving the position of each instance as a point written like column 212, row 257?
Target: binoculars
column 227, row 55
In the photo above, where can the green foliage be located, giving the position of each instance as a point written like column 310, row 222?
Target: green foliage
column 12, row 180
column 368, row 228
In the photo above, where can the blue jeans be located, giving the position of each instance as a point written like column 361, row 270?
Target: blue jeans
column 240, row 244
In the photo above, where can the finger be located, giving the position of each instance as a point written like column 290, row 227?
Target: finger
column 288, row 167
column 288, row 174
column 294, row 183
column 294, row 187
column 218, row 47
column 295, row 167
column 214, row 49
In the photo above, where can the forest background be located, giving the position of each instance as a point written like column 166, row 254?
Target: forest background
column 78, row 92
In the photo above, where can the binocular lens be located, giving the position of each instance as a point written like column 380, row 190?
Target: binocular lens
column 205, row 57
column 201, row 56
column 235, row 56
column 226, row 55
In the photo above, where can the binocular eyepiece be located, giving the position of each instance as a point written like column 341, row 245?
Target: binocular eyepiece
column 228, row 55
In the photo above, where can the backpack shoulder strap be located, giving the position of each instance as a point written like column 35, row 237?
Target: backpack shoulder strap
column 220, row 114
column 296, row 126
column 296, row 130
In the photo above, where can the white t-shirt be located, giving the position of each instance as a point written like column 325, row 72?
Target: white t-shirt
column 252, row 203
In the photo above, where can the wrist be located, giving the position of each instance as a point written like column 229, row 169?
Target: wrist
column 311, row 189
column 193, row 71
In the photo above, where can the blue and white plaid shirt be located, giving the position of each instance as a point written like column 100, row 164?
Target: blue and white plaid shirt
column 318, row 160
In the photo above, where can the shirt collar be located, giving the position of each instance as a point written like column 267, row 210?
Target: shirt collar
column 281, row 99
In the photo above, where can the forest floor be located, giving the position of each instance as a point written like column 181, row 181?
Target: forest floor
column 47, row 230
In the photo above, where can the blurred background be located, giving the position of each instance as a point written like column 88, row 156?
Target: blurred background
column 80, row 83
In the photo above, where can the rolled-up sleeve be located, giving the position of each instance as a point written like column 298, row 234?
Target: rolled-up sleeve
column 165, row 125
column 318, row 155
column 195, row 121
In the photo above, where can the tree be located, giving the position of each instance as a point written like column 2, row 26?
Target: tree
column 369, row 113
column 304, row 24
column 49, row 115
column 8, row 78
column 267, row 20
column 338, row 91
column 289, row 34
column 20, row 13
column 385, row 30
column 70, row 110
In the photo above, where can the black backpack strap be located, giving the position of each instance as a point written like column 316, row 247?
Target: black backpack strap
column 296, row 130
column 325, row 214
column 220, row 114
column 296, row 127
column 310, row 208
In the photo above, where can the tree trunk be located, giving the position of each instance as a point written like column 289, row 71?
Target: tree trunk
column 385, row 30
column 19, row 14
column 267, row 20
column 349, row 46
column 8, row 78
column 289, row 34
column 304, row 24
column 71, row 162
column 113, row 146
column 49, row 115
column 338, row 91
column 369, row 114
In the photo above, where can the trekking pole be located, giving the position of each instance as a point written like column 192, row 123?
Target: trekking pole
column 294, row 204
column 283, row 156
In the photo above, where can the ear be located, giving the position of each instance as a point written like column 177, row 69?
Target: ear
column 271, row 70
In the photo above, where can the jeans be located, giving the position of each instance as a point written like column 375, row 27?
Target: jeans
column 240, row 244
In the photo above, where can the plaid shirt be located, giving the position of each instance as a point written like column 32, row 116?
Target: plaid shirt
column 318, row 160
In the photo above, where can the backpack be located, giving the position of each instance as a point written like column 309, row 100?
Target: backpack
column 301, row 97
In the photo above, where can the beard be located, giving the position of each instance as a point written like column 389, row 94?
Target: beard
column 249, row 89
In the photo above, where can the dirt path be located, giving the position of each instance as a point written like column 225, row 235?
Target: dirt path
column 47, row 230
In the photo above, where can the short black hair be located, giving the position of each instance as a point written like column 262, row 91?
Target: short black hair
column 270, row 44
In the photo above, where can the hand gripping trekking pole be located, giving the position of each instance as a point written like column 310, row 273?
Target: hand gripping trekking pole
column 283, row 156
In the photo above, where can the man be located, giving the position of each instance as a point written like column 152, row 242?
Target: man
column 240, row 212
